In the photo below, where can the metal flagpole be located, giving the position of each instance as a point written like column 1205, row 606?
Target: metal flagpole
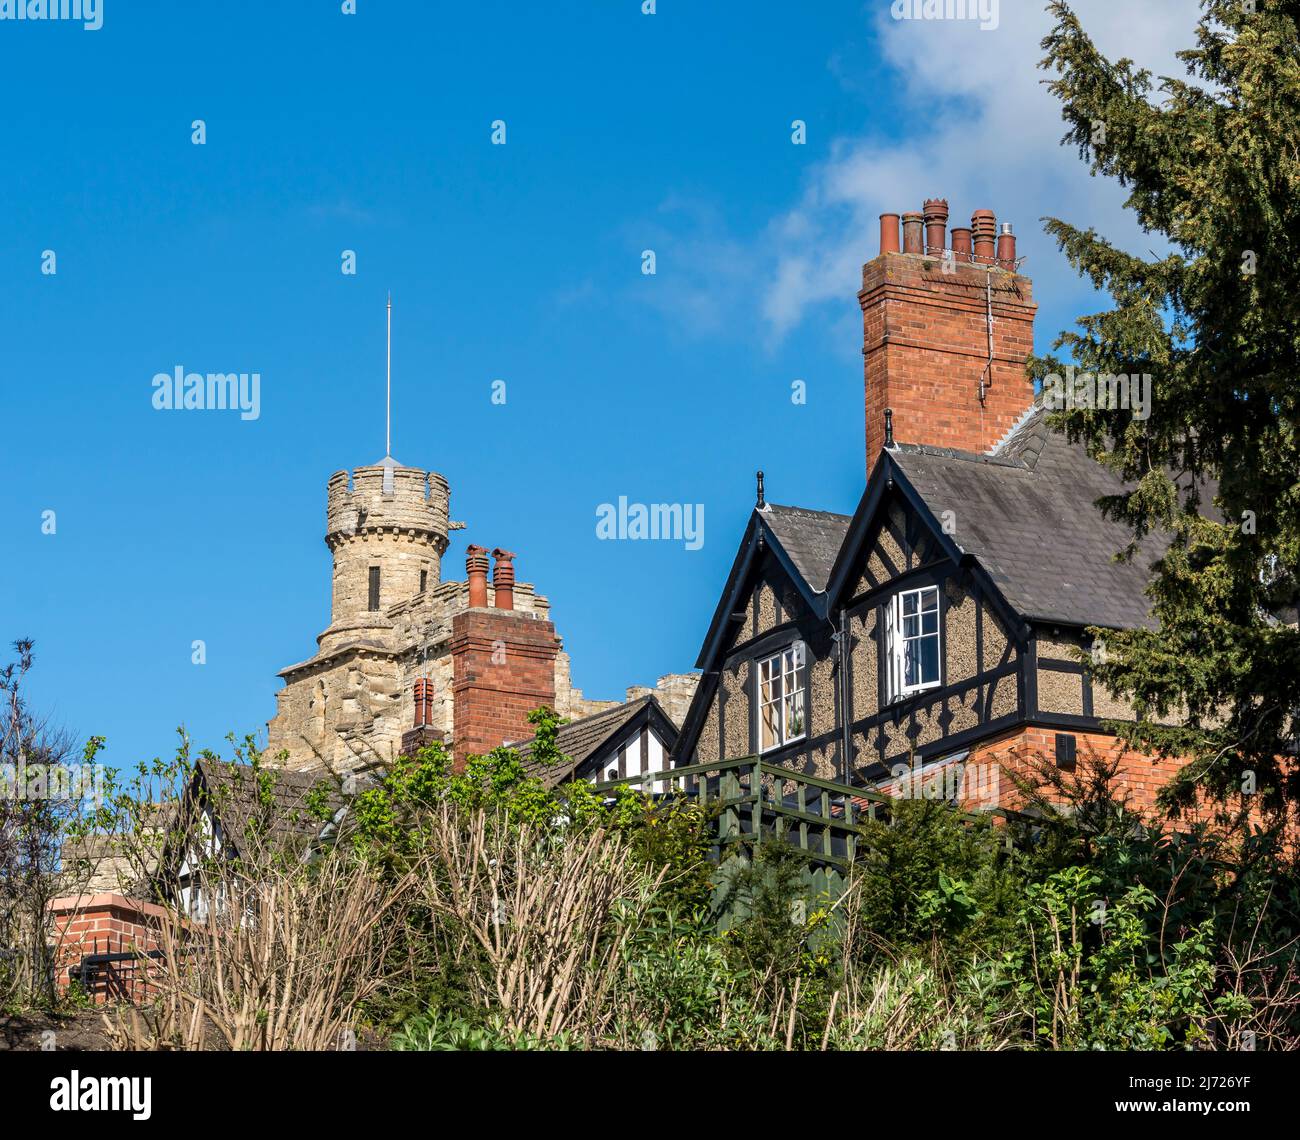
column 388, row 410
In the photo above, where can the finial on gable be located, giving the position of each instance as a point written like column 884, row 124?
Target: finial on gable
column 761, row 501
column 889, row 427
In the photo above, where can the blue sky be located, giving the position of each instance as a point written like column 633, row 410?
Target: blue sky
column 521, row 262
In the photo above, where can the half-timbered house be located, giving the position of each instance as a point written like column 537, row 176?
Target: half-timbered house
column 941, row 624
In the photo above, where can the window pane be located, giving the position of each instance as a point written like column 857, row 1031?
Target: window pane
column 767, row 728
column 928, row 652
column 794, row 726
column 769, row 682
column 910, row 664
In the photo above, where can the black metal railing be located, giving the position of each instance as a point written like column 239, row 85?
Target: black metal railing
column 115, row 976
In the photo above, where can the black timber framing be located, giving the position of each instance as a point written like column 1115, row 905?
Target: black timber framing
column 882, row 768
column 929, row 556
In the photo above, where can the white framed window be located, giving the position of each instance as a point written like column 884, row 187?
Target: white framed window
column 912, row 641
column 781, row 716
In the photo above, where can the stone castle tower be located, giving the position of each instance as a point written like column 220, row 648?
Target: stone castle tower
column 407, row 653
column 386, row 527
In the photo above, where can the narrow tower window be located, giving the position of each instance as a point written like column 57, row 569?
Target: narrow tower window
column 374, row 588
column 424, row 580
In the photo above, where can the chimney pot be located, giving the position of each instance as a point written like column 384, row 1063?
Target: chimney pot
column 984, row 224
column 476, row 568
column 889, row 233
column 936, row 226
column 912, row 238
column 962, row 246
column 420, row 715
column 503, row 578
column 1007, row 246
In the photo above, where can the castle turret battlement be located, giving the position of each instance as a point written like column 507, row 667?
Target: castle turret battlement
column 386, row 526
column 384, row 496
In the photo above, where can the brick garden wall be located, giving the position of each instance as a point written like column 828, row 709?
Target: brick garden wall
column 105, row 923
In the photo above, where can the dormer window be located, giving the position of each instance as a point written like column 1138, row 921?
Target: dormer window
column 781, row 698
column 912, row 641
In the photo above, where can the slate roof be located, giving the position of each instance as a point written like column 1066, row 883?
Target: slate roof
column 812, row 539
column 1028, row 513
column 580, row 740
column 235, row 801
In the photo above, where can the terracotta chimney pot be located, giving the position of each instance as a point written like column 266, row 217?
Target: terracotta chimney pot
column 476, row 568
column 1007, row 247
column 936, row 226
column 912, row 237
column 984, row 223
column 889, row 233
column 503, row 578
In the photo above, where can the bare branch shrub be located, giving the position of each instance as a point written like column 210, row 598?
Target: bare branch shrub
column 285, row 955
column 549, row 911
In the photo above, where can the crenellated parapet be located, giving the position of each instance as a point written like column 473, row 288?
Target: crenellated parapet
column 388, row 497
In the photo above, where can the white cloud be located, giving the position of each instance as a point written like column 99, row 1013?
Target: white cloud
column 701, row 267
column 981, row 130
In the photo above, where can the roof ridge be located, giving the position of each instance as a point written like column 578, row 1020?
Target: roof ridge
column 1021, row 424
column 623, row 707
column 807, row 511
column 957, row 453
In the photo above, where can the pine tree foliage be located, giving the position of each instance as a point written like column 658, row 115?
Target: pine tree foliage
column 1211, row 166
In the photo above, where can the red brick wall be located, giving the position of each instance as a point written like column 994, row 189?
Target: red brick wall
column 105, row 924
column 926, row 346
column 1139, row 777
column 984, row 780
column 503, row 667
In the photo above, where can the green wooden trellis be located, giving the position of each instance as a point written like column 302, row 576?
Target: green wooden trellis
column 819, row 817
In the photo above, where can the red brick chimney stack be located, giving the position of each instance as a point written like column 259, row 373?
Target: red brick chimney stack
column 503, row 578
column 476, row 568
column 421, row 713
column 952, row 376
column 503, row 666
